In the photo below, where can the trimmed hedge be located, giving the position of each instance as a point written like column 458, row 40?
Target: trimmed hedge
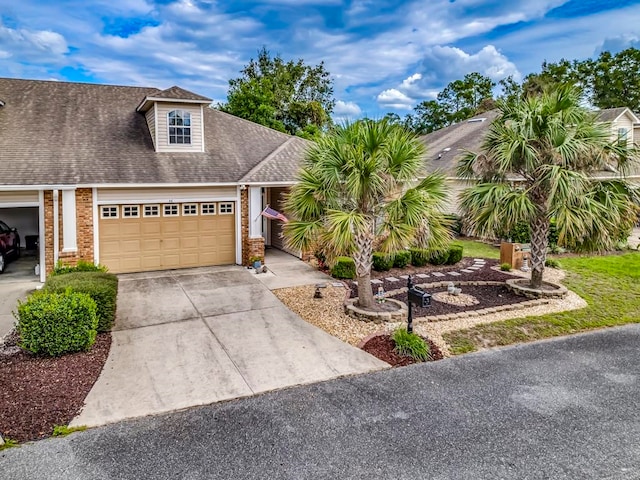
column 419, row 256
column 57, row 323
column 345, row 267
column 402, row 258
column 437, row 257
column 382, row 261
column 455, row 254
column 81, row 266
column 101, row 287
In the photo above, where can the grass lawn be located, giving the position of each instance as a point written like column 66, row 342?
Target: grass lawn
column 609, row 284
column 475, row 249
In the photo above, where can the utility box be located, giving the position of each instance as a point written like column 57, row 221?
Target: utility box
column 514, row 253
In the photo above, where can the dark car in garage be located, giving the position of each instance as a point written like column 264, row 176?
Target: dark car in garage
column 9, row 244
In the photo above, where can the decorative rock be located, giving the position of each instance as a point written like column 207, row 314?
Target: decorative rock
column 455, row 274
column 438, row 274
column 404, row 277
column 392, row 279
column 466, row 270
column 422, row 275
column 375, row 281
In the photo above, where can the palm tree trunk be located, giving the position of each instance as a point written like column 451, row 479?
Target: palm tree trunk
column 363, row 259
column 539, row 242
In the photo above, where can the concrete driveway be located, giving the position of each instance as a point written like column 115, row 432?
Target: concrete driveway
column 199, row 336
column 16, row 283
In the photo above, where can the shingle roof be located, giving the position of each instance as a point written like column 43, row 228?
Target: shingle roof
column 282, row 165
column 610, row 114
column 59, row 133
column 180, row 93
column 445, row 146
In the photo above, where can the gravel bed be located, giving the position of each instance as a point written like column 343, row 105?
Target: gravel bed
column 38, row 393
column 382, row 347
column 328, row 314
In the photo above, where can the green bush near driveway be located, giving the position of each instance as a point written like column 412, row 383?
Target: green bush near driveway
column 419, row 256
column 345, row 267
column 402, row 258
column 101, row 287
column 57, row 323
column 382, row 262
column 81, row 266
column 455, row 254
column 410, row 345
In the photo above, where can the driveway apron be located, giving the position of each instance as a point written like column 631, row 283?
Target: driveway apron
column 193, row 337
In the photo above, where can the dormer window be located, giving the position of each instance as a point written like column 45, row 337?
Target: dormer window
column 179, row 127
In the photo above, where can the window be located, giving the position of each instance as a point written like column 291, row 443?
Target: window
column 207, row 209
column 109, row 211
column 151, row 211
column 170, row 210
column 130, row 211
column 226, row 208
column 179, row 127
column 623, row 136
column 189, row 209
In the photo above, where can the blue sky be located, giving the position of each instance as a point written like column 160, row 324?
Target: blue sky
column 383, row 55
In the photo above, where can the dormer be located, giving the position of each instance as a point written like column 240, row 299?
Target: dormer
column 176, row 119
column 622, row 122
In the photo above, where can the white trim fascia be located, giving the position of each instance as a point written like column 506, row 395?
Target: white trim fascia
column 155, row 130
column 41, row 245
column 238, row 201
column 20, row 188
column 19, row 204
column 96, row 227
column 143, row 104
column 269, row 184
column 129, row 201
column 202, row 126
column 627, row 110
column 69, row 222
column 156, row 185
column 56, row 227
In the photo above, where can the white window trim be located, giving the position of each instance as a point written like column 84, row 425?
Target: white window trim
column 144, row 210
column 131, row 207
column 190, row 127
column 177, row 209
column 189, row 205
column 209, row 204
column 231, row 212
column 109, row 217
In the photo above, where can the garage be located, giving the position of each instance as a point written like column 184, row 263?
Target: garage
column 145, row 237
column 20, row 210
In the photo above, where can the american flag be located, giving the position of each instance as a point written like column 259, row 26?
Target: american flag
column 274, row 214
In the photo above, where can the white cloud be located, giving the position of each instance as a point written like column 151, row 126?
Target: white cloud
column 346, row 109
column 33, row 45
column 618, row 43
column 393, row 98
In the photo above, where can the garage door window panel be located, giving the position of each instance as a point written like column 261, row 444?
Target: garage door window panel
column 109, row 211
column 189, row 209
column 151, row 211
column 207, row 208
column 131, row 211
column 226, row 208
column 171, row 210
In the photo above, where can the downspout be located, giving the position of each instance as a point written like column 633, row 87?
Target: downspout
column 56, row 226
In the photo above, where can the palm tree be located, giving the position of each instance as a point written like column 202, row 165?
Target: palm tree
column 537, row 163
column 359, row 189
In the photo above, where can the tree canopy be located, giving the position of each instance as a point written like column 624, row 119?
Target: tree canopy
column 288, row 96
column 359, row 188
column 537, row 164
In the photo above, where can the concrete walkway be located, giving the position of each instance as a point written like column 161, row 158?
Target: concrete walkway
column 634, row 239
column 194, row 337
column 285, row 270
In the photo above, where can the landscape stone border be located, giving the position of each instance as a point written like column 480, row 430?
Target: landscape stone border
column 398, row 315
column 515, row 285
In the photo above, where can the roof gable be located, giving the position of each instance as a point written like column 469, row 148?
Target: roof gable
column 613, row 114
column 174, row 95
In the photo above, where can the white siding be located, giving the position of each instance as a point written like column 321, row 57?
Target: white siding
column 151, row 122
column 26, row 197
column 454, row 188
column 162, row 128
column 164, row 195
column 623, row 122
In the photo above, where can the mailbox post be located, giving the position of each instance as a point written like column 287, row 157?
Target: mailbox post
column 415, row 296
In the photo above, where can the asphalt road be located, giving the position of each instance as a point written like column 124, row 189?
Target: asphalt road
column 559, row 409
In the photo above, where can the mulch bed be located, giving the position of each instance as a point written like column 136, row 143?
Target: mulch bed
column 381, row 346
column 487, row 296
column 484, row 274
column 37, row 393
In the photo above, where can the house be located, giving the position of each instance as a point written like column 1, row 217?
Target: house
column 445, row 146
column 136, row 178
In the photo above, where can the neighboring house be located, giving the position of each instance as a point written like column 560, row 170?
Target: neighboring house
column 137, row 178
column 445, row 146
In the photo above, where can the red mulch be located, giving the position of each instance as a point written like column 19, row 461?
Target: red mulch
column 37, row 393
column 382, row 347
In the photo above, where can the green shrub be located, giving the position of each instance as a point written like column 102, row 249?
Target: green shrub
column 402, row 258
column 57, row 323
column 419, row 256
column 552, row 263
column 410, row 345
column 382, row 261
column 455, row 254
column 102, row 287
column 82, row 266
column 344, row 267
column 505, row 267
column 438, row 257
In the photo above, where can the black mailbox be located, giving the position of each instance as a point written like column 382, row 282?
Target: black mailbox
column 419, row 297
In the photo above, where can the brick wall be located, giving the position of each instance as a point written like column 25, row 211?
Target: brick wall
column 84, row 222
column 251, row 247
